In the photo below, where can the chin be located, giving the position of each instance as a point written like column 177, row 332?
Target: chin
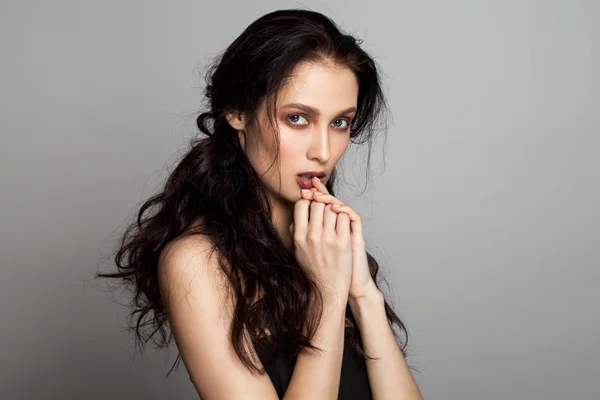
column 292, row 198
column 292, row 195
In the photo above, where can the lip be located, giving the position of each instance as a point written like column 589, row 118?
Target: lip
column 307, row 183
column 304, row 183
column 319, row 174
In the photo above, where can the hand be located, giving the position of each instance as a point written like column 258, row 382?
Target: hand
column 322, row 247
column 362, row 284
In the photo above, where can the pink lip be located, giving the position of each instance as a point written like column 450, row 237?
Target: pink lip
column 320, row 174
column 307, row 183
column 304, row 183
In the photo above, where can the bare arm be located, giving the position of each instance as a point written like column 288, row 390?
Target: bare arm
column 200, row 314
column 192, row 287
column 389, row 376
column 317, row 374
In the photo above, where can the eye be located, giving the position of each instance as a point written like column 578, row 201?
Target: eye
column 294, row 119
column 342, row 120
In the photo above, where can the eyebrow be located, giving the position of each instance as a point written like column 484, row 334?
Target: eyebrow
column 311, row 110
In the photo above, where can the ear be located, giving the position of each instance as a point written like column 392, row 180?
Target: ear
column 237, row 120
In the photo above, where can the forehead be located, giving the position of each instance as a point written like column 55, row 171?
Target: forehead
column 327, row 87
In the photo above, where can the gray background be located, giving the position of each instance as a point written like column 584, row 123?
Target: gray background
column 485, row 216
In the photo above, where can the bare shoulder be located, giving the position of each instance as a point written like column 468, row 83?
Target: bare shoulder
column 195, row 294
column 181, row 255
column 189, row 260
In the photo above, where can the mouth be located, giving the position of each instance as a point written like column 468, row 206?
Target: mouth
column 305, row 181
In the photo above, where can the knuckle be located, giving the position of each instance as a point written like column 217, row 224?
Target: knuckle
column 343, row 217
column 330, row 240
column 313, row 238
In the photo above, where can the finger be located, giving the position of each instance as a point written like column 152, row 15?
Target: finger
column 342, row 226
column 315, row 222
column 329, row 221
column 319, row 185
column 355, row 219
column 301, row 210
column 326, row 198
column 306, row 194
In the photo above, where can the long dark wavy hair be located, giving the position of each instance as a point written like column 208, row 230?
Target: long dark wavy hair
column 215, row 182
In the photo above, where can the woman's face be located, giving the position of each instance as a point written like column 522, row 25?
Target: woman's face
column 314, row 113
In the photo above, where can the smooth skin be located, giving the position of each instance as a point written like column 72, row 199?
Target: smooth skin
column 389, row 375
column 322, row 247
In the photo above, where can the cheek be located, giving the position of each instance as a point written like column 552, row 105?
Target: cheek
column 287, row 148
column 287, row 154
column 290, row 146
column 339, row 147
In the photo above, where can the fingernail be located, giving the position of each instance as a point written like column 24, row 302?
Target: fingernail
column 306, row 191
column 337, row 205
column 317, row 193
column 313, row 189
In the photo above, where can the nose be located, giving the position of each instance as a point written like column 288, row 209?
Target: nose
column 320, row 148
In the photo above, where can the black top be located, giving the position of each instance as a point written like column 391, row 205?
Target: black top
column 354, row 382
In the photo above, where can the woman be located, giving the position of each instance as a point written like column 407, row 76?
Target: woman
column 246, row 257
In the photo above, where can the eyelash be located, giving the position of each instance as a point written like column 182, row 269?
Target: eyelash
column 339, row 119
